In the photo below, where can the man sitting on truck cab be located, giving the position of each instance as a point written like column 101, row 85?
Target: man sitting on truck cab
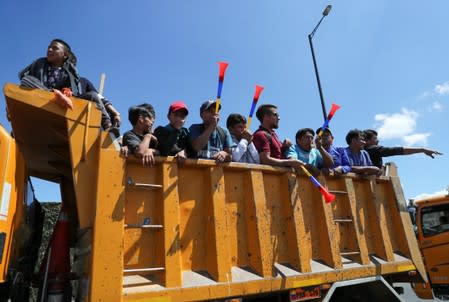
column 267, row 142
column 208, row 140
column 358, row 158
column 139, row 140
column 55, row 72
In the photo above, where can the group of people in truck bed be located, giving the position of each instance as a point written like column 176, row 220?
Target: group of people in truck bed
column 314, row 150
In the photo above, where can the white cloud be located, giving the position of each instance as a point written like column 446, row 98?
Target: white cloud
column 400, row 126
column 442, row 89
column 427, row 195
column 438, row 90
column 416, row 139
column 396, row 125
column 437, row 106
column 425, row 95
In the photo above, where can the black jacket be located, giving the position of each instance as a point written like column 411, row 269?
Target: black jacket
column 38, row 69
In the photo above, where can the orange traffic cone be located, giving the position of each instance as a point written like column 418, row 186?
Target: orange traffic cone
column 57, row 268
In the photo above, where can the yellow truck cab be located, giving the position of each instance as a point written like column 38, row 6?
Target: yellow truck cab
column 432, row 229
column 198, row 231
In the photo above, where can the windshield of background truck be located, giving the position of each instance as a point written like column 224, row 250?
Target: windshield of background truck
column 435, row 220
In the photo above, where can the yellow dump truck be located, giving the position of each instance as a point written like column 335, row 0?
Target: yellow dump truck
column 198, row 231
column 432, row 230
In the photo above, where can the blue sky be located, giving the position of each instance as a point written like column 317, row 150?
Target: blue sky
column 385, row 63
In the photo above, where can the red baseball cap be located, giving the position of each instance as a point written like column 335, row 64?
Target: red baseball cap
column 178, row 105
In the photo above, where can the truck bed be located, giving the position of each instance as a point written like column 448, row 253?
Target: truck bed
column 202, row 231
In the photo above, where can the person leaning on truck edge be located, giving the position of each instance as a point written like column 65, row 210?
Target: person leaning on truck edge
column 150, row 109
column 376, row 152
column 358, row 158
column 139, row 140
column 243, row 149
column 267, row 142
column 340, row 158
column 315, row 158
column 173, row 138
column 209, row 140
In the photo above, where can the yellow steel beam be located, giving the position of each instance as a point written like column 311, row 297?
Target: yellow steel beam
column 172, row 249
column 408, row 228
column 108, row 228
column 217, row 255
column 258, row 227
column 361, row 243
column 300, row 245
